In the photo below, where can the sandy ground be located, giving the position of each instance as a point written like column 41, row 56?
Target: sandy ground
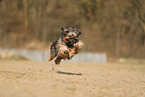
column 36, row 79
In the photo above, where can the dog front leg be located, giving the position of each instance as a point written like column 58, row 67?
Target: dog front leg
column 77, row 47
column 63, row 52
column 58, row 60
column 75, row 50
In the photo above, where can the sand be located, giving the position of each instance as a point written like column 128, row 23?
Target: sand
column 36, row 79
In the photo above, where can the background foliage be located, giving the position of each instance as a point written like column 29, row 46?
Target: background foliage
column 116, row 27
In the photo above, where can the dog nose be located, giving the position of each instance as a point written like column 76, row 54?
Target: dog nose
column 72, row 40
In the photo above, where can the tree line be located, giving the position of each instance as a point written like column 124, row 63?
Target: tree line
column 116, row 27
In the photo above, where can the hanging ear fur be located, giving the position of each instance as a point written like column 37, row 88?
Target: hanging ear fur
column 64, row 30
column 79, row 33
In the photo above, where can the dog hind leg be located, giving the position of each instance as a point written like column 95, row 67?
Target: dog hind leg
column 53, row 53
column 58, row 60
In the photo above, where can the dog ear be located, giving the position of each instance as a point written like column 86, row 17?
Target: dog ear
column 79, row 33
column 64, row 30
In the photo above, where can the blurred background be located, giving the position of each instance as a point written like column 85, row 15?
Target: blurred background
column 116, row 27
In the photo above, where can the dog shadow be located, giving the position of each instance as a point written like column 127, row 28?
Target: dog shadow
column 68, row 73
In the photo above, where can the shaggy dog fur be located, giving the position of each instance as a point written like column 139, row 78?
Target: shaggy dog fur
column 67, row 45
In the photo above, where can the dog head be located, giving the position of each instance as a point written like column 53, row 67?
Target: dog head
column 70, row 35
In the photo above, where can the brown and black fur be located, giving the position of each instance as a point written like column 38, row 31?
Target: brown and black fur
column 67, row 45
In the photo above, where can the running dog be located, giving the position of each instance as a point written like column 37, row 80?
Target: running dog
column 67, row 45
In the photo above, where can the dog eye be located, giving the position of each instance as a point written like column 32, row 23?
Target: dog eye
column 66, row 39
column 67, row 31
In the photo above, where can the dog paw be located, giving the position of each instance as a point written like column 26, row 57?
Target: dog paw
column 76, row 45
column 57, row 60
column 79, row 44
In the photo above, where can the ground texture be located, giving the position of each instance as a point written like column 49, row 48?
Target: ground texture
column 36, row 79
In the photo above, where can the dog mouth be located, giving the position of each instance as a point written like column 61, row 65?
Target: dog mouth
column 71, row 41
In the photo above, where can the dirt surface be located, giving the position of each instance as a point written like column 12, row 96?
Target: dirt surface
column 36, row 79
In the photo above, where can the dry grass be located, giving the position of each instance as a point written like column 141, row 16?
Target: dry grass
column 36, row 79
